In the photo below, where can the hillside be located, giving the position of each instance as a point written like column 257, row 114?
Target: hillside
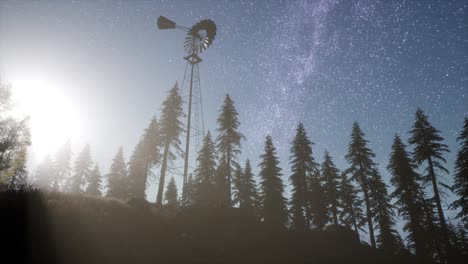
column 61, row 228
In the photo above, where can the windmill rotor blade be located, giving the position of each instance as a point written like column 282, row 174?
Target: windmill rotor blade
column 165, row 23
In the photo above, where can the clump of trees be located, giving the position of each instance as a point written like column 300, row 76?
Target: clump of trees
column 356, row 198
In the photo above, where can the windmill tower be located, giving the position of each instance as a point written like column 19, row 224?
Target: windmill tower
column 198, row 38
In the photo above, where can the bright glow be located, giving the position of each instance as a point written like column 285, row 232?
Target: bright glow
column 54, row 114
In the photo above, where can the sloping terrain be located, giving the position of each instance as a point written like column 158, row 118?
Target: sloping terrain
column 61, row 228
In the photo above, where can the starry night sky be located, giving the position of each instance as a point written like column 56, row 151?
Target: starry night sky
column 325, row 63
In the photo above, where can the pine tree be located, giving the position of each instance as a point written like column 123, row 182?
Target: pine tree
column 44, row 173
column 409, row 195
column 330, row 175
column 145, row 156
column 190, row 189
column 245, row 188
column 388, row 238
column 351, row 214
column 229, row 139
column 237, row 181
column 460, row 186
column 273, row 203
column 360, row 158
column 95, row 182
column 303, row 168
column 117, row 181
column 433, row 234
column 462, row 239
column 318, row 203
column 62, row 166
column 82, row 170
column 17, row 174
column 170, row 129
column 170, row 196
column 205, row 173
column 428, row 148
column 221, row 185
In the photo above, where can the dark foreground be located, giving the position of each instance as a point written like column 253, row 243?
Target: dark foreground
column 59, row 228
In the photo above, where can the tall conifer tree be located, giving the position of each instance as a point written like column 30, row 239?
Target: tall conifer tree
column 388, row 238
column 428, row 147
column 117, row 179
column 17, row 173
column 360, row 158
column 170, row 196
column 62, row 166
column 170, row 129
column 95, row 182
column 331, row 178
column 303, row 168
column 460, row 186
column 245, row 188
column 409, row 195
column 205, row 173
column 221, row 182
column 229, row 139
column 82, row 170
column 351, row 214
column 273, row 203
column 318, row 201
column 145, row 156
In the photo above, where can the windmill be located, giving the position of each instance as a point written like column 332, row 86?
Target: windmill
column 199, row 37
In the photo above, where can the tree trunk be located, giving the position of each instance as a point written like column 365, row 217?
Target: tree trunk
column 306, row 196
column 163, row 176
column 440, row 211
column 369, row 218
column 229, row 172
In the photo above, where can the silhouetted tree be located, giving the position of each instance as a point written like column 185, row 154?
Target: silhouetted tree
column 95, row 182
column 462, row 239
column 237, row 183
column 14, row 133
column 428, row 148
column 62, row 166
column 457, row 244
column 221, row 182
column 170, row 196
column 409, row 196
column 205, row 173
column 117, row 181
column 245, row 188
column 17, row 173
column 44, row 173
column 170, row 129
column 351, row 214
column 303, row 168
column 273, row 203
column 433, row 233
column 318, row 202
column 331, row 177
column 360, row 158
column 190, row 189
column 82, row 170
column 229, row 139
column 388, row 238
column 145, row 156
column 460, row 185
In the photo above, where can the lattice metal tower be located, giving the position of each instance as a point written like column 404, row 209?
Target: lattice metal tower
column 199, row 37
